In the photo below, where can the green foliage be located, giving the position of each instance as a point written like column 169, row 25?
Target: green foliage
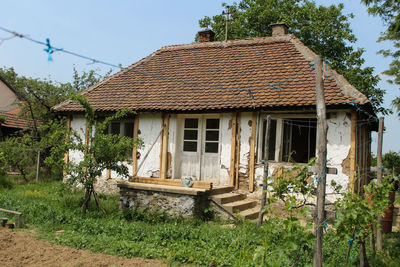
column 391, row 161
column 19, row 153
column 49, row 207
column 389, row 11
column 324, row 29
column 4, row 181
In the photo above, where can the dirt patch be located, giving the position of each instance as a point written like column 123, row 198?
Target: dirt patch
column 21, row 249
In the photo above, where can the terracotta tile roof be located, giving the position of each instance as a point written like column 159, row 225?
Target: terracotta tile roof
column 13, row 121
column 216, row 75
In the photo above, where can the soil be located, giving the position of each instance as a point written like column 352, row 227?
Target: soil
column 21, row 249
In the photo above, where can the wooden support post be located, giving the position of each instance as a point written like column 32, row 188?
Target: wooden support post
column 252, row 151
column 321, row 160
column 233, row 150
column 87, row 136
column 37, row 166
column 66, row 155
column 379, row 245
column 353, row 149
column 135, row 136
column 265, row 178
column 237, row 157
column 164, row 147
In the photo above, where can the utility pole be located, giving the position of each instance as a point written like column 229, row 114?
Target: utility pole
column 379, row 176
column 321, row 160
column 265, row 178
column 227, row 13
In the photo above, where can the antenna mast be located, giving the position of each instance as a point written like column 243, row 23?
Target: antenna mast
column 227, row 14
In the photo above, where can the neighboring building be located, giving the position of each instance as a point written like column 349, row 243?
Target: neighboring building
column 213, row 97
column 9, row 109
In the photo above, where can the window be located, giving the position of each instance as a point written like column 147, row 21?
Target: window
column 190, row 135
column 122, row 128
column 212, row 136
column 291, row 139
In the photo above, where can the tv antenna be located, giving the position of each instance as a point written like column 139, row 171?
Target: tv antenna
column 228, row 18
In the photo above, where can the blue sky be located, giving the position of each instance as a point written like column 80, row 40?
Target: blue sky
column 122, row 32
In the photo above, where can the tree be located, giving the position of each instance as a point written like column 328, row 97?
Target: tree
column 391, row 161
column 102, row 151
column 323, row 29
column 47, row 127
column 389, row 11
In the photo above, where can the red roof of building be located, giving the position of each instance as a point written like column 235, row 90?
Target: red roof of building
column 264, row 72
column 13, row 121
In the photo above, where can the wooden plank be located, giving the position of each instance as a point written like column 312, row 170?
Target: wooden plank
column 252, row 151
column 135, row 136
column 172, row 182
column 265, row 176
column 353, row 150
column 233, row 150
column 237, row 157
column 163, row 188
column 379, row 244
column 164, row 148
column 108, row 174
column 66, row 155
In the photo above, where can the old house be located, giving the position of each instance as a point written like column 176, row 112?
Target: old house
column 9, row 100
column 207, row 102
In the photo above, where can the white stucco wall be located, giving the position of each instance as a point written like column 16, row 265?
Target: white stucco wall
column 78, row 124
column 8, row 99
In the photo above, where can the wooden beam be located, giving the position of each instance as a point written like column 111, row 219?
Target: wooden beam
column 172, row 182
column 353, row 149
column 164, row 147
column 252, row 151
column 237, row 157
column 66, row 155
column 135, row 136
column 233, row 150
column 379, row 244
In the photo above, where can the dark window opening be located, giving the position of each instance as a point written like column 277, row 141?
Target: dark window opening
column 190, row 135
column 272, row 140
column 189, row 146
column 115, row 128
column 191, row 123
column 211, row 147
column 299, row 140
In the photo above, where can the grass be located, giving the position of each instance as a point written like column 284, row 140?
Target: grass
column 49, row 207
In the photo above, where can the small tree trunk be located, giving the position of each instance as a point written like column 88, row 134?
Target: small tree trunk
column 88, row 194
column 372, row 240
column 363, row 254
column 98, row 202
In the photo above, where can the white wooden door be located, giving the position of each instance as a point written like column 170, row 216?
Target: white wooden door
column 200, row 148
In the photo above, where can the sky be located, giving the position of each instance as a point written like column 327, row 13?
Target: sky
column 123, row 32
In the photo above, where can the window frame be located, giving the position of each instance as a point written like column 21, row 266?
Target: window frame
column 122, row 126
column 279, row 140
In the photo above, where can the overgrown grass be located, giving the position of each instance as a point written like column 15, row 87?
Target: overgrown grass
column 49, row 207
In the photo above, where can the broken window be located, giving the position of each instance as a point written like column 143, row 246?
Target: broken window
column 291, row 139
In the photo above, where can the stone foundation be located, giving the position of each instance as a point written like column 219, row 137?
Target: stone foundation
column 187, row 202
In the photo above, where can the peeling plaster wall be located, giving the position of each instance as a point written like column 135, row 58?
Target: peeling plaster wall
column 339, row 135
column 245, row 135
column 338, row 148
column 149, row 128
column 172, row 146
column 225, row 147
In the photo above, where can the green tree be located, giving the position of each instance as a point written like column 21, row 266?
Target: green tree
column 391, row 161
column 102, row 151
column 323, row 29
column 389, row 11
column 48, row 127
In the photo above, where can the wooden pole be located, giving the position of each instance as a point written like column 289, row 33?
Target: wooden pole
column 237, row 158
column 37, row 166
column 321, row 160
column 379, row 245
column 164, row 148
column 252, row 151
column 135, row 137
column 265, row 178
column 233, row 150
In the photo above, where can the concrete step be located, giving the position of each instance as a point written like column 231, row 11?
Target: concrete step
column 250, row 214
column 239, row 205
column 221, row 190
column 227, row 197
